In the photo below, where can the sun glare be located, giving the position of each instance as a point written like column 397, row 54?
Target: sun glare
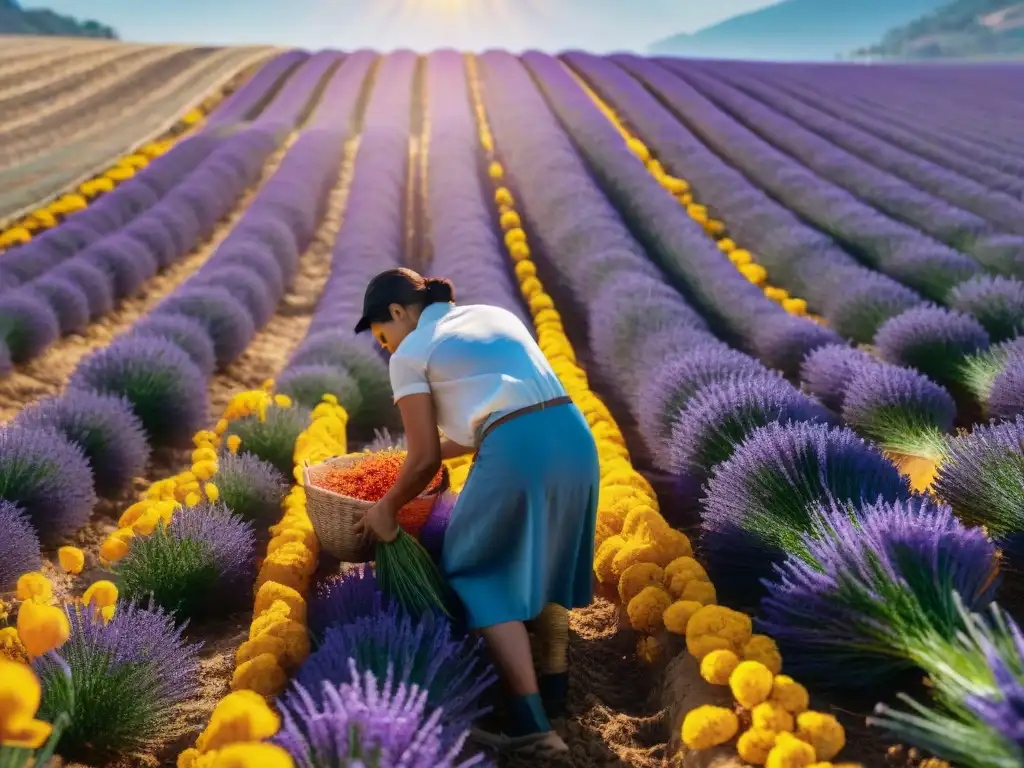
column 441, row 7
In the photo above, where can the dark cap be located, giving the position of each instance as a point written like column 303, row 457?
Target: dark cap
column 403, row 287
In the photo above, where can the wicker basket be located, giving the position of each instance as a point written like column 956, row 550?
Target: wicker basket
column 334, row 516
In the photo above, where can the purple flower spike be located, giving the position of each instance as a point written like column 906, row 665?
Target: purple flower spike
column 782, row 341
column 1006, row 398
column 48, row 477
column 166, row 390
column 722, row 415
column 19, row 546
column 452, row 670
column 664, row 395
column 904, row 411
column 759, row 502
column 250, row 487
column 826, row 372
column 982, row 476
column 935, row 341
column 104, row 427
column 859, row 306
column 853, row 609
column 995, row 302
column 345, row 598
column 432, row 533
column 366, row 724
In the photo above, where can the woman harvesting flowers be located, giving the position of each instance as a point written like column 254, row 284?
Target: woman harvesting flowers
column 521, row 534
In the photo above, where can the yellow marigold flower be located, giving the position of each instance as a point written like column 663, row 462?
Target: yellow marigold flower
column 681, row 572
column 261, row 674
column 510, row 220
column 604, row 559
column 233, row 442
column 257, row 646
column 754, row 745
column 751, row 683
column 107, row 612
column 635, row 578
column 631, row 477
column 212, row 492
column 674, row 185
column 519, row 252
column 725, row 245
column 278, row 610
column 708, row 726
column 702, row 592
column 192, row 499
column 72, row 559
column 677, row 616
column 540, row 301
column 113, row 549
column 609, row 523
column 34, row 586
column 790, row 694
column 640, row 516
column 733, row 628
column 100, row 594
column 204, row 470
column 221, row 427
column 271, row 593
column 717, row 666
column 495, row 171
column 755, row 273
column 645, row 611
column 525, row 269
column 42, row 627
column 821, row 731
column 795, row 306
column 639, row 149
column 697, row 211
column 288, row 571
column 763, row 649
column 656, row 168
column 714, row 227
column 20, row 695
column 241, row 716
column 15, row 236
column 635, row 551
column 790, row 752
column 253, row 756
column 11, row 648
column 772, row 717
column 740, row 257
column 205, row 452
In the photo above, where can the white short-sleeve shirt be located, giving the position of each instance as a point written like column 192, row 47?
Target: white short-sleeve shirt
column 477, row 361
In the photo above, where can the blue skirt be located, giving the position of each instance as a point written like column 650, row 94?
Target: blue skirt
column 522, row 531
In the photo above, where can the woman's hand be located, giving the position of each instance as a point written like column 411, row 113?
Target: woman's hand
column 378, row 522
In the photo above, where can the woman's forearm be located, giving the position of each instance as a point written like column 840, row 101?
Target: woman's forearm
column 452, row 450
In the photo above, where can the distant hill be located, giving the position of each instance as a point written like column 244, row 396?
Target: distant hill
column 798, row 30
column 961, row 29
column 15, row 20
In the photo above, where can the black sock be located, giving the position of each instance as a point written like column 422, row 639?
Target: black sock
column 554, row 690
column 527, row 716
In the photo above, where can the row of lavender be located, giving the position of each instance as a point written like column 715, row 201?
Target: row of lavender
column 789, row 495
column 78, row 271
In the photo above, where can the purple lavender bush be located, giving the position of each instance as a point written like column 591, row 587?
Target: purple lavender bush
column 92, row 282
column 307, row 384
column 361, row 723
column 995, row 302
column 48, row 477
column 933, row 340
column 166, row 390
column 66, row 299
column 826, row 372
column 272, row 439
column 106, row 429
column 344, row 598
column 187, row 333
column 224, row 319
column 19, row 546
column 902, row 410
column 432, row 533
column 869, row 584
column 451, row 670
column 760, row 502
column 247, row 288
column 977, row 680
column 200, row 563
column 250, row 487
column 1006, row 398
column 130, row 679
column 27, row 325
column 979, row 371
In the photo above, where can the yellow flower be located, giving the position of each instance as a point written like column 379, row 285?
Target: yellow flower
column 253, row 756
column 295, row 637
column 715, row 626
column 740, row 257
column 282, row 401
column 11, row 648
column 726, row 245
column 107, row 612
column 754, row 745
column 41, row 627
column 751, row 683
column 240, row 716
column 261, row 674
column 702, row 592
column 795, row 306
column 772, row 717
column 204, row 453
column 72, row 559
column 271, row 592
column 821, row 731
column 495, row 171
column 34, row 586
column 677, row 616
column 259, row 645
column 604, row 559
column 510, row 220
column 212, row 492
column 639, row 149
column 100, row 594
column 204, row 470
column 790, row 695
column 20, row 694
column 636, row 577
column 763, row 649
column 645, row 611
column 755, row 273
column 114, row 548
column 790, row 752
column 233, row 442
column 681, row 572
column 708, row 726
column 525, row 269
column 519, row 252
column 192, row 499
column 503, row 197
column 717, row 666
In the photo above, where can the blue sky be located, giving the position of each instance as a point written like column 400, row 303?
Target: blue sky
column 597, row 25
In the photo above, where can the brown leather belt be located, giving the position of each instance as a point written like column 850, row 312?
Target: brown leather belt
column 564, row 400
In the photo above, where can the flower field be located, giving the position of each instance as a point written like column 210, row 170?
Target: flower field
column 786, row 298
